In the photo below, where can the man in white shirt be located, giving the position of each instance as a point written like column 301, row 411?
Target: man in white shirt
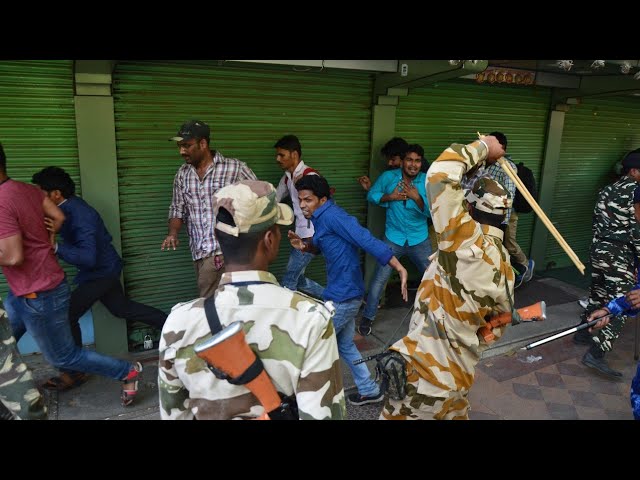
column 289, row 157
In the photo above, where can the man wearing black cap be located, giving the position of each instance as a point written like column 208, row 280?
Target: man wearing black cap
column 204, row 173
column 615, row 251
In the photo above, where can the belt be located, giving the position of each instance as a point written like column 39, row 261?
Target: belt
column 30, row 295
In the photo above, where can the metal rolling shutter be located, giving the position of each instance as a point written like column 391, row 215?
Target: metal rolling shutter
column 37, row 122
column 248, row 110
column 438, row 115
column 597, row 134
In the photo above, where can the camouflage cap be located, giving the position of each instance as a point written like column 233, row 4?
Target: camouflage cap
column 253, row 206
column 489, row 195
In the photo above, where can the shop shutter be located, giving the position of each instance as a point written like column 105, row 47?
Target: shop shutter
column 597, row 134
column 438, row 115
column 37, row 122
column 248, row 110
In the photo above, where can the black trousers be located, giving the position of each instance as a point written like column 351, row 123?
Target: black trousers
column 109, row 291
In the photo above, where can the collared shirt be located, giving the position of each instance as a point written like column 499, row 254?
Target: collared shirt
column 338, row 236
column 406, row 222
column 192, row 199
column 291, row 333
column 86, row 242
column 287, row 186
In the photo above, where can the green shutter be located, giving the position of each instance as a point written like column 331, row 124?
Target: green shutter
column 438, row 115
column 248, row 111
column 37, row 121
column 597, row 134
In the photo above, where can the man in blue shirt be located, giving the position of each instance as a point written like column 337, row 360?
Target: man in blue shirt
column 87, row 245
column 403, row 193
column 339, row 236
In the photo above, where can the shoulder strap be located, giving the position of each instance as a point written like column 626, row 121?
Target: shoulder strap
column 212, row 313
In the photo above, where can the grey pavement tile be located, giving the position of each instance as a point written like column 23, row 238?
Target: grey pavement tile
column 619, row 415
column 559, row 411
column 475, row 415
column 565, row 368
column 529, row 392
column 603, row 386
column 549, row 380
column 615, row 402
column 585, row 399
column 556, row 395
column 589, row 413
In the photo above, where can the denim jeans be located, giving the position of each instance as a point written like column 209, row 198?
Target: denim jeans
column 418, row 254
column 46, row 318
column 344, row 322
column 294, row 278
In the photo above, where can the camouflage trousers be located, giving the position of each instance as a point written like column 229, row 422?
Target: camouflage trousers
column 18, row 392
column 612, row 275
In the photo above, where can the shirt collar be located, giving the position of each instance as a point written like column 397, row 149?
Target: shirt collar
column 248, row 276
column 322, row 209
column 493, row 231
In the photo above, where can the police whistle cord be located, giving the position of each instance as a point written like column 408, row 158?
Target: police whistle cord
column 386, row 344
column 577, row 328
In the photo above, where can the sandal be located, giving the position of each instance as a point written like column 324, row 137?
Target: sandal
column 129, row 394
column 66, row 381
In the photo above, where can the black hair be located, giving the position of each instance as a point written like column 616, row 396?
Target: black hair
column 317, row 184
column 3, row 160
column 486, row 218
column 55, row 178
column 501, row 137
column 241, row 249
column 415, row 148
column 291, row 143
column 395, row 146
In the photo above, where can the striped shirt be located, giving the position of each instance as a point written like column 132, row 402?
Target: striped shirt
column 192, row 200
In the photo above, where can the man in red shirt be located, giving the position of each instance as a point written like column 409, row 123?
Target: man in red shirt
column 38, row 300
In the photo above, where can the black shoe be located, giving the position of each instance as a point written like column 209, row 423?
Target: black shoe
column 364, row 328
column 600, row 364
column 357, row 399
column 582, row 337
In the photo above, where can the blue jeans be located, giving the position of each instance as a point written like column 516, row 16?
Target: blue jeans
column 46, row 318
column 344, row 322
column 418, row 254
column 294, row 278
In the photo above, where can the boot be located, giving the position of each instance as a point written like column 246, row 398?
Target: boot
column 594, row 358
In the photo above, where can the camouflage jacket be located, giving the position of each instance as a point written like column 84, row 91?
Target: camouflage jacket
column 613, row 215
column 466, row 280
column 291, row 333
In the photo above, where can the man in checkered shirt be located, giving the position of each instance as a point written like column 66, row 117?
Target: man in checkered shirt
column 524, row 267
column 204, row 173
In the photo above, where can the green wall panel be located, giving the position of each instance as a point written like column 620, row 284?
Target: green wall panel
column 37, row 122
column 247, row 110
column 438, row 115
column 597, row 134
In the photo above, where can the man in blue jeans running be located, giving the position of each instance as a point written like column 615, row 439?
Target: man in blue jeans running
column 339, row 236
column 403, row 193
column 38, row 299
column 289, row 157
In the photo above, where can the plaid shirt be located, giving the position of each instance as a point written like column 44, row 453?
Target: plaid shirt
column 192, row 200
column 496, row 172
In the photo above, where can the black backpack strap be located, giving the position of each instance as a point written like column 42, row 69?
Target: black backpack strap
column 212, row 314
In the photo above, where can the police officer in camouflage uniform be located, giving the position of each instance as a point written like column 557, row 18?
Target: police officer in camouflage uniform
column 615, row 250
column 290, row 332
column 18, row 393
column 469, row 280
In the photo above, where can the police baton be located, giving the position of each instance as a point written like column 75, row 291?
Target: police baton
column 577, row 328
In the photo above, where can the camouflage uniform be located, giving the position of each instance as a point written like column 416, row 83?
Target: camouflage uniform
column 290, row 332
column 18, row 392
column 469, row 278
column 614, row 250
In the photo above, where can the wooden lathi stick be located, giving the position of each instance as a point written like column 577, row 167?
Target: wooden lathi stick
column 525, row 193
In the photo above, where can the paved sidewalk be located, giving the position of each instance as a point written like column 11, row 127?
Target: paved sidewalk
column 545, row 383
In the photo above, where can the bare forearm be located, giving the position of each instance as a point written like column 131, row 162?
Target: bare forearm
column 175, row 224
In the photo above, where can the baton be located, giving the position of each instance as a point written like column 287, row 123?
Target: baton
column 582, row 326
